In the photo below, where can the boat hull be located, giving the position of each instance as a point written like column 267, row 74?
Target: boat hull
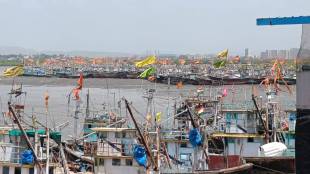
column 269, row 164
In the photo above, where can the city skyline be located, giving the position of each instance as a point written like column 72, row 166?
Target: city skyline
column 136, row 26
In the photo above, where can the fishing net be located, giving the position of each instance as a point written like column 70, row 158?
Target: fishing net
column 302, row 130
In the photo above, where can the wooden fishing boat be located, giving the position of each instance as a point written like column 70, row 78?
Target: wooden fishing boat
column 241, row 169
column 277, row 164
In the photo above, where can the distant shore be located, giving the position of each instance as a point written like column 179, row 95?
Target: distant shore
column 91, row 82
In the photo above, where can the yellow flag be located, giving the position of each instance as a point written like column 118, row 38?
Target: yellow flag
column 14, row 71
column 147, row 61
column 158, row 116
column 223, row 54
column 148, row 117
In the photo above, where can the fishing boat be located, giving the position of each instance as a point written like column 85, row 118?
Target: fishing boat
column 28, row 149
column 35, row 72
column 248, row 131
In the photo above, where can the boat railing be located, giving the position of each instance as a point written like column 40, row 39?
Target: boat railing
column 237, row 125
column 117, row 148
column 10, row 153
column 175, row 135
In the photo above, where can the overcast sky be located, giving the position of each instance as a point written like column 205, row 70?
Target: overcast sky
column 138, row 26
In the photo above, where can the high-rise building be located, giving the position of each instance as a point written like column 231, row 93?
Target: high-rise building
column 264, row 54
column 283, row 54
column 272, row 54
column 293, row 53
column 246, row 52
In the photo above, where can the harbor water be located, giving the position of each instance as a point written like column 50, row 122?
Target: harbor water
column 106, row 93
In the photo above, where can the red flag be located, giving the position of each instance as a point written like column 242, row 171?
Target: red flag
column 224, row 94
column 80, row 82
column 151, row 78
column 79, row 87
column 179, row 85
column 76, row 94
column 46, row 97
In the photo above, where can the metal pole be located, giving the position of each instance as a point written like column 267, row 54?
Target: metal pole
column 87, row 104
column 47, row 151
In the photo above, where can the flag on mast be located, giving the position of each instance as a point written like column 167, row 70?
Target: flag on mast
column 146, row 73
column 223, row 54
column 14, row 71
column 147, row 61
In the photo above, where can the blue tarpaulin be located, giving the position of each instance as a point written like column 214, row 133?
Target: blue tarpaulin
column 195, row 138
column 27, row 157
column 139, row 155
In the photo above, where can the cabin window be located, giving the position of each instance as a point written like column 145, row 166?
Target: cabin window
column 183, row 145
column 17, row 170
column 6, row 170
column 184, row 156
column 31, row 171
column 116, row 162
column 101, row 162
column 118, row 135
column 124, row 134
column 128, row 162
column 103, row 135
column 230, row 140
column 235, row 116
column 250, row 140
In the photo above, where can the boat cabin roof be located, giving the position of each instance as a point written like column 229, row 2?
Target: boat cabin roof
column 112, row 129
column 237, row 110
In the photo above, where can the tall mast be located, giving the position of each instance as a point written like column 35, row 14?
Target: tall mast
column 87, row 104
column 25, row 135
column 143, row 141
column 76, row 117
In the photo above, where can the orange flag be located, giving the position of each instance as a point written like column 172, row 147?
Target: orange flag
column 236, row 59
column 80, row 82
column 151, row 78
column 79, row 87
column 179, row 85
column 76, row 94
column 46, row 97
column 182, row 61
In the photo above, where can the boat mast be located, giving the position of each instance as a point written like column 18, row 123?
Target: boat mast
column 87, row 104
column 76, row 118
column 142, row 139
column 26, row 136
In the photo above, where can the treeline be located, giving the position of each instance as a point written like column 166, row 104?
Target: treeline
column 10, row 62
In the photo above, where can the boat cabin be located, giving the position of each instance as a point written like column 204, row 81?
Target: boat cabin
column 113, row 151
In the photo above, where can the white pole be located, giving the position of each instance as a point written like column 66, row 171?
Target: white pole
column 47, row 151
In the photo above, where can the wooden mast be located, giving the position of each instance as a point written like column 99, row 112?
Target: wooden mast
column 143, row 141
column 26, row 136
column 194, row 124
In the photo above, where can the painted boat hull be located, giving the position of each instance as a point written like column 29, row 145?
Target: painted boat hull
column 281, row 164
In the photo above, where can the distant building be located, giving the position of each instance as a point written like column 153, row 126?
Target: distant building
column 264, row 54
column 272, row 54
column 293, row 52
column 246, row 52
column 283, row 54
